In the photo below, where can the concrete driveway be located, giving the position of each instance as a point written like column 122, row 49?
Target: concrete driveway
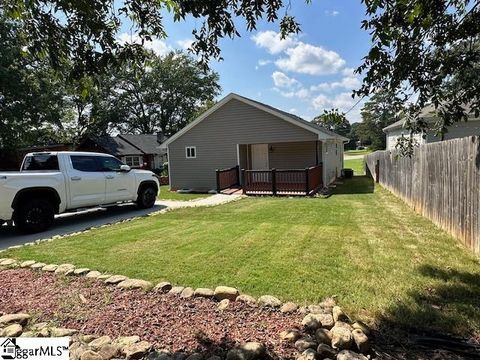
column 69, row 223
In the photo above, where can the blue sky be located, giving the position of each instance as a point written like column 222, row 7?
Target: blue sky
column 303, row 74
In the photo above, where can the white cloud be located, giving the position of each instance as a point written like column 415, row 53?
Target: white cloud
column 301, row 93
column 283, row 81
column 347, row 82
column 332, row 12
column 309, row 59
column 262, row 62
column 185, row 44
column 158, row 46
column 273, row 42
column 342, row 101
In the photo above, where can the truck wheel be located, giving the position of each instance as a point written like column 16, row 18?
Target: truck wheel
column 147, row 197
column 34, row 216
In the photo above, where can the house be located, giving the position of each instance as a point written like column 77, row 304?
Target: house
column 457, row 130
column 8, row 348
column 243, row 134
column 137, row 151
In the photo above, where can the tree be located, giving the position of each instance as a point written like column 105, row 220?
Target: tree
column 31, row 95
column 163, row 95
column 377, row 113
column 333, row 120
column 84, row 32
column 428, row 50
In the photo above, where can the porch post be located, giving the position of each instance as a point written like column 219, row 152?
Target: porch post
column 307, row 185
column 237, row 172
column 244, row 188
column 218, row 180
column 274, row 182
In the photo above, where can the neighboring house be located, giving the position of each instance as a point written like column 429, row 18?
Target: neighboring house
column 457, row 130
column 238, row 131
column 137, row 151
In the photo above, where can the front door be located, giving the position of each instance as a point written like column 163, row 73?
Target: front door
column 259, row 156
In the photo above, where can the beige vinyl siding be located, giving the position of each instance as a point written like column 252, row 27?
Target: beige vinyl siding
column 297, row 155
column 332, row 155
column 216, row 139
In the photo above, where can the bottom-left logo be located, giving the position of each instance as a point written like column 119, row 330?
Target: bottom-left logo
column 34, row 348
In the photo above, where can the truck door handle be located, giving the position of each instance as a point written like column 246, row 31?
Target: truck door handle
column 75, row 178
column 109, row 177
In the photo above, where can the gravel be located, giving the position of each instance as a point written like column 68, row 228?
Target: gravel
column 168, row 322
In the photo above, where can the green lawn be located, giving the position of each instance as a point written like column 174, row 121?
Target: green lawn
column 358, row 165
column 166, row 194
column 383, row 263
column 358, row 152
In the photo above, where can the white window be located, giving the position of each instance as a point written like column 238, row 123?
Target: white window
column 133, row 161
column 191, row 152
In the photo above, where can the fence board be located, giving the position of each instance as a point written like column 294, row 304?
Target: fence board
column 441, row 181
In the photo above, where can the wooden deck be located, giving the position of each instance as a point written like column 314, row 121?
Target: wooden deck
column 284, row 182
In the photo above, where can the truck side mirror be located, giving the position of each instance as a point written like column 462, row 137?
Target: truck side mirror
column 125, row 168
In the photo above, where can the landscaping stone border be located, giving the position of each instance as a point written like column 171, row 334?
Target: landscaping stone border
column 325, row 332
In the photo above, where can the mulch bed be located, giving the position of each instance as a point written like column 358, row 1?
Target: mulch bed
column 167, row 321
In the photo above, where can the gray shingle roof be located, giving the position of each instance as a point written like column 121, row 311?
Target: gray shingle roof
column 116, row 145
column 146, row 142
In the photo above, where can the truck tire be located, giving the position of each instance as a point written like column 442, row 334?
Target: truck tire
column 34, row 216
column 147, row 195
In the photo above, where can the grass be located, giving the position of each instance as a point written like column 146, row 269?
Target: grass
column 358, row 152
column 166, row 194
column 384, row 263
column 358, row 165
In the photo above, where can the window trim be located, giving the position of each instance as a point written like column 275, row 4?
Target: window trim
column 187, row 148
column 138, row 157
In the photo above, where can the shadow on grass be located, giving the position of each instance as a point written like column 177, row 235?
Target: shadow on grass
column 444, row 316
column 356, row 185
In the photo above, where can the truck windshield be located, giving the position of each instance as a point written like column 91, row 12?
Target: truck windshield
column 40, row 162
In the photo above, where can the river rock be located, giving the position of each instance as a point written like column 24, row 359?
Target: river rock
column 247, row 299
column 65, row 268
column 50, row 268
column 304, row 343
column 19, row 318
column 339, row 315
column 269, row 301
column 130, row 284
column 341, row 337
column 163, row 287
column 137, row 350
column 13, row 330
column 226, row 292
column 361, row 340
column 248, row 351
column 288, row 308
column 115, row 279
column 204, row 292
column 350, row 355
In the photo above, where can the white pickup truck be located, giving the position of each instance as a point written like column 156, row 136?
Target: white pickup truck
column 51, row 183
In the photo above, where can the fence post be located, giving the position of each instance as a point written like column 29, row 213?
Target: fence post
column 307, row 185
column 244, row 184
column 218, row 180
column 237, row 171
column 274, row 182
column 377, row 171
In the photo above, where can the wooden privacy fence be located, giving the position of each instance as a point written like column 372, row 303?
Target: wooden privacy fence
column 440, row 181
column 282, row 182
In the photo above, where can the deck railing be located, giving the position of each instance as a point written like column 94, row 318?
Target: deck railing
column 282, row 182
column 227, row 178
